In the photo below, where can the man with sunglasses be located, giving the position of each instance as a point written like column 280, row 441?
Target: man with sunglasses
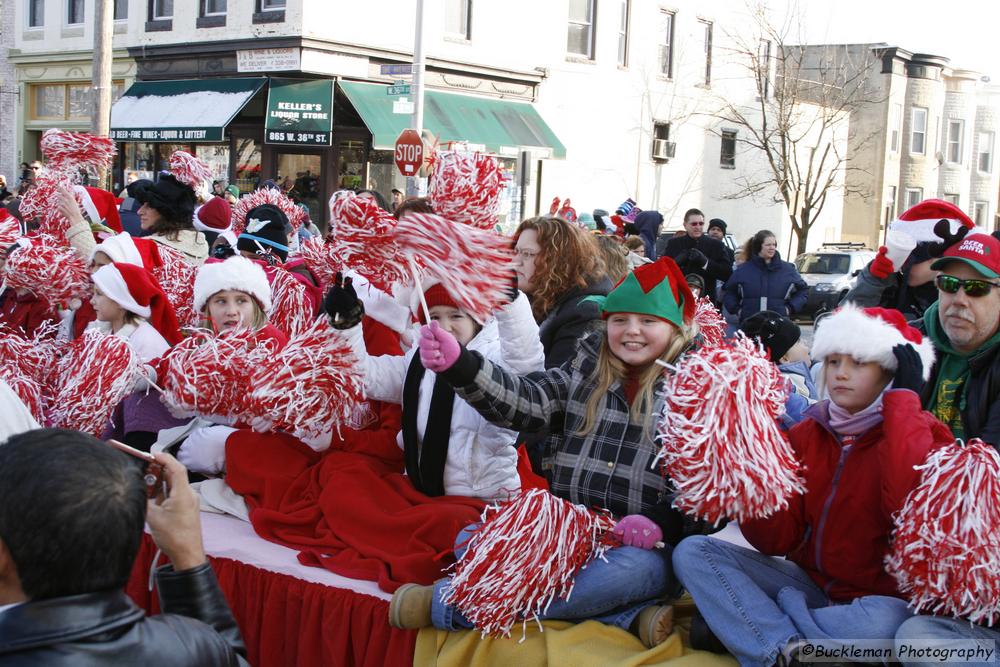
column 964, row 325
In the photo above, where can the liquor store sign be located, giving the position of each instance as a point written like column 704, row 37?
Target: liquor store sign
column 299, row 113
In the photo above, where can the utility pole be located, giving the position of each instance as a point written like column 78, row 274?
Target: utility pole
column 417, row 120
column 100, row 122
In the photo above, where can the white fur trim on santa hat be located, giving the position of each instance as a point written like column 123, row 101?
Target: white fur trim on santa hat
column 120, row 248
column 112, row 284
column 88, row 203
column 236, row 273
column 849, row 330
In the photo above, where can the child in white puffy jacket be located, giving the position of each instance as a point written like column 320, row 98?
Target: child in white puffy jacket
column 448, row 447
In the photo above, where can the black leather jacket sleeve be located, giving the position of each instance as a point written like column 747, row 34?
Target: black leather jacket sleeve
column 195, row 593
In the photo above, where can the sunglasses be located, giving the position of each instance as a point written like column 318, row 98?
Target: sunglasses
column 975, row 288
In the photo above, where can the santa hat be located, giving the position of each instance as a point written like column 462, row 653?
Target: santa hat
column 235, row 273
column 100, row 206
column 869, row 334
column 125, row 249
column 919, row 221
column 213, row 216
column 658, row 289
column 137, row 291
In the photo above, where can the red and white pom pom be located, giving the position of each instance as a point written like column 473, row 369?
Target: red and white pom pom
column 711, row 324
column 10, row 229
column 50, row 271
column 310, row 387
column 176, row 278
column 190, row 170
column 292, row 309
column 238, row 219
column 473, row 265
column 71, row 152
column 946, row 547
column 41, row 206
column 34, row 357
column 98, row 371
column 362, row 235
column 526, row 554
column 720, row 441
column 467, row 187
column 208, row 375
column 320, row 257
column 27, row 389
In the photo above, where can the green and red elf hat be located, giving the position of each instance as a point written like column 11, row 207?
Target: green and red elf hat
column 656, row 289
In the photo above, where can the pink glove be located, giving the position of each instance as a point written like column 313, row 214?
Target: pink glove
column 882, row 266
column 635, row 530
column 438, row 349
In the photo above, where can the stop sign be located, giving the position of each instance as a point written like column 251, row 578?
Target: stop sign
column 409, row 152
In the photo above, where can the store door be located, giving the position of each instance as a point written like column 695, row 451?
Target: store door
column 300, row 176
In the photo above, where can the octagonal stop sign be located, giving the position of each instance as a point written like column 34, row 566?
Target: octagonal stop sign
column 409, row 154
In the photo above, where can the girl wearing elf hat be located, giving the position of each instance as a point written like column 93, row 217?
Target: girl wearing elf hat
column 449, row 448
column 599, row 410
column 858, row 449
column 129, row 303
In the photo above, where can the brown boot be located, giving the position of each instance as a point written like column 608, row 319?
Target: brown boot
column 410, row 608
column 654, row 624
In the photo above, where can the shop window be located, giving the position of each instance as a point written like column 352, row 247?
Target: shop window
column 36, row 13
column 64, row 101
column 140, row 161
column 383, row 175
column 216, row 156
column 246, row 174
column 300, row 177
column 351, row 167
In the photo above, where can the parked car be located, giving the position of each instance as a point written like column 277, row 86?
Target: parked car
column 831, row 272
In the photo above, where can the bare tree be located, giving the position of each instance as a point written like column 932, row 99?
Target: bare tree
column 801, row 120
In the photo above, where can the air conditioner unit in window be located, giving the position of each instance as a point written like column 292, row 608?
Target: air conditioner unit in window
column 663, row 149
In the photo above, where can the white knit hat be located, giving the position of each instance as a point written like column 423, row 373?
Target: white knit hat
column 236, row 273
column 869, row 334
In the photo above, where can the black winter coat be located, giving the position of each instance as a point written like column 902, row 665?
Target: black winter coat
column 719, row 266
column 568, row 321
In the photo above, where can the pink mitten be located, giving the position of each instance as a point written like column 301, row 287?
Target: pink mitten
column 635, row 530
column 438, row 349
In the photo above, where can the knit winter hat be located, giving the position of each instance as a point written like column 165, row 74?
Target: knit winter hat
column 173, row 199
column 136, row 290
column 233, row 190
column 775, row 332
column 124, row 248
column 656, row 289
column 213, row 216
column 235, row 273
column 265, row 232
column 436, row 295
column 717, row 222
column 869, row 335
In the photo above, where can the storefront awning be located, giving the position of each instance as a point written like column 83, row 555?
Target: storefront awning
column 502, row 126
column 180, row 110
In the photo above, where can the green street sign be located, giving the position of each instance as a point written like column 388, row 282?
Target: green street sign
column 398, row 90
column 299, row 112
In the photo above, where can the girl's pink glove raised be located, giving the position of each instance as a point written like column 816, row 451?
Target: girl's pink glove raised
column 438, row 349
column 635, row 530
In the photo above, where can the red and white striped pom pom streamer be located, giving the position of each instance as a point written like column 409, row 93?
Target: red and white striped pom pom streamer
column 36, row 356
column 321, row 259
column 10, row 230
column 526, row 554
column 711, row 325
column 720, row 442
column 98, row 371
column 71, row 152
column 238, row 219
column 362, row 236
column 26, row 388
column 467, row 187
column 292, row 309
column 50, row 271
column 189, row 170
column 473, row 265
column 946, row 546
column 41, row 205
column 310, row 387
column 176, row 278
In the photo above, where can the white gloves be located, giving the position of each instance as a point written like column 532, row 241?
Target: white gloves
column 204, row 450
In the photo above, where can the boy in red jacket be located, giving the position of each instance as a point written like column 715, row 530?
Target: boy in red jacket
column 858, row 450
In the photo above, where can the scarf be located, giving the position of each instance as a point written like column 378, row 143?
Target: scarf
column 425, row 460
column 844, row 423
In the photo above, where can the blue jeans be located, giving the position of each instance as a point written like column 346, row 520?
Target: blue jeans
column 926, row 630
column 756, row 605
column 612, row 592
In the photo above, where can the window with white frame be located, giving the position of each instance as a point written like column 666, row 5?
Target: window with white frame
column 891, row 203
column 914, row 196
column 458, row 18
column 667, row 45
column 984, row 159
column 623, row 22
column 121, row 10
column 764, row 68
column 918, row 130
column 213, row 7
column 74, row 11
column 580, row 30
column 952, row 198
column 707, row 26
column 36, row 13
column 272, row 5
column 956, row 129
column 980, row 213
column 895, row 127
column 162, row 9
column 727, row 151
